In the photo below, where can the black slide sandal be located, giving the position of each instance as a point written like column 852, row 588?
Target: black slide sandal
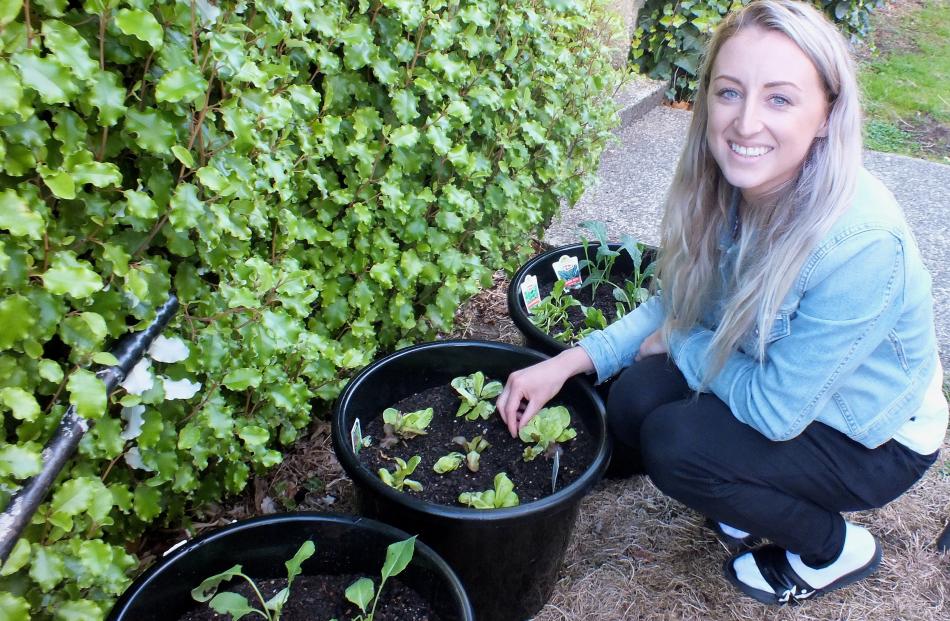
column 788, row 585
column 733, row 544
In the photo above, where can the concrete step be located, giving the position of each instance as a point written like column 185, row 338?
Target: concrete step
column 637, row 97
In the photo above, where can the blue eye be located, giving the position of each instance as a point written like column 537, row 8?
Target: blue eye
column 728, row 93
column 779, row 100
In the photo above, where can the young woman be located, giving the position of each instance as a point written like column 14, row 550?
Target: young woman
column 788, row 370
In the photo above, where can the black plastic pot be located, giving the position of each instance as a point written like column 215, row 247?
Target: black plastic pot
column 345, row 544
column 540, row 266
column 508, row 559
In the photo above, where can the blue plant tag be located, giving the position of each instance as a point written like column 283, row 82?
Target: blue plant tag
column 567, row 270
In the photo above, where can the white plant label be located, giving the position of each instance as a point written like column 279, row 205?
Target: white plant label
column 356, row 436
column 555, row 468
column 530, row 292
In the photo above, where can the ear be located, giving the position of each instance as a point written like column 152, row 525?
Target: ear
column 822, row 129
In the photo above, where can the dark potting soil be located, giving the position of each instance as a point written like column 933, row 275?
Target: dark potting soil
column 321, row 598
column 532, row 480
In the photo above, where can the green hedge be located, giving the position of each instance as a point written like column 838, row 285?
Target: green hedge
column 320, row 181
column 670, row 35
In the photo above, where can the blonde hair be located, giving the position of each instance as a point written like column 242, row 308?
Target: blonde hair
column 776, row 239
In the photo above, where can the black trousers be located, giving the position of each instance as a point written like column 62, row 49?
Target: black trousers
column 790, row 492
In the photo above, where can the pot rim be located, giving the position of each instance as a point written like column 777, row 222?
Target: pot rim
column 174, row 554
column 363, row 476
column 516, row 309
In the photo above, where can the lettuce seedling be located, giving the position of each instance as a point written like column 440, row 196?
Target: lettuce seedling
column 473, row 450
column 502, row 496
column 397, row 425
column 448, row 463
column 546, row 429
column 397, row 479
column 237, row 605
column 476, row 395
column 362, row 592
column 551, row 315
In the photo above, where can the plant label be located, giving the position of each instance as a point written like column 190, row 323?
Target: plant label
column 555, row 468
column 530, row 292
column 567, row 270
column 356, row 437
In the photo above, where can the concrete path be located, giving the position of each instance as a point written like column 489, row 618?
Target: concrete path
column 636, row 171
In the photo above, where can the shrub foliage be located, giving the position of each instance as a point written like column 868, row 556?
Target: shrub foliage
column 319, row 181
column 671, row 34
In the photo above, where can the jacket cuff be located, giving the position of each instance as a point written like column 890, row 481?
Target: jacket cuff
column 606, row 361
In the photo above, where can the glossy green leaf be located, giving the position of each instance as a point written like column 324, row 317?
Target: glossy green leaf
column 47, row 76
column 11, row 90
column 77, row 610
column 17, row 216
column 19, row 462
column 69, row 48
column 107, row 95
column 9, row 9
column 14, row 608
column 68, row 275
column 181, row 84
column 183, row 155
column 21, row 403
column 242, row 379
column 140, row 24
column 87, row 392
column 16, row 319
column 46, row 568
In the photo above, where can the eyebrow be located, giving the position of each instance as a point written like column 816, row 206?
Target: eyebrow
column 767, row 85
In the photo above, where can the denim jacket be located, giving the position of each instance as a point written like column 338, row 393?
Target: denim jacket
column 853, row 345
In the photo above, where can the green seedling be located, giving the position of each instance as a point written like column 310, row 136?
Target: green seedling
column 634, row 292
column 397, row 479
column 476, row 395
column 473, row 450
column 550, row 315
column 237, row 606
column 363, row 592
column 502, row 496
column 548, row 427
column 602, row 264
column 449, row 463
column 397, row 425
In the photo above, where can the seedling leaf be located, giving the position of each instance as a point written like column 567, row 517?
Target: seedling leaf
column 398, row 556
column 206, row 590
column 293, row 565
column 361, row 593
column 448, row 463
column 233, row 604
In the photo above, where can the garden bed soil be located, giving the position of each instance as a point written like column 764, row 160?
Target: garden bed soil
column 320, row 598
column 532, row 479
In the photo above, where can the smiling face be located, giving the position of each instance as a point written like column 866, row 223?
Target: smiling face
column 766, row 105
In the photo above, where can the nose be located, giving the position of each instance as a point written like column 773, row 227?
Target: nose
column 748, row 122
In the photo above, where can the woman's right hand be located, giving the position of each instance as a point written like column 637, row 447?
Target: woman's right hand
column 528, row 390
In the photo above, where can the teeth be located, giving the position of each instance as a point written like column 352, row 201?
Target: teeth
column 749, row 151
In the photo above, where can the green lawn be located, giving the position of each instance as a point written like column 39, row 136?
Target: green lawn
column 906, row 83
